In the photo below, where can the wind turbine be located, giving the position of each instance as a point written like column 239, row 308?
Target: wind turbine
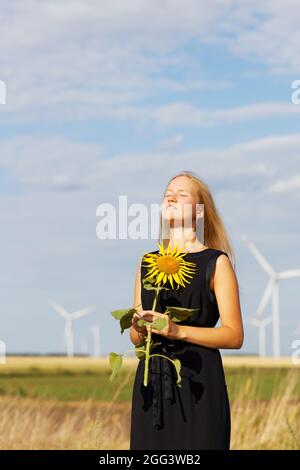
column 271, row 290
column 96, row 337
column 261, row 324
column 70, row 317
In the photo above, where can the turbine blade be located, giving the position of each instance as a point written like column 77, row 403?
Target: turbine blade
column 289, row 274
column 259, row 257
column 260, row 321
column 264, row 300
column 266, row 321
column 59, row 309
column 84, row 311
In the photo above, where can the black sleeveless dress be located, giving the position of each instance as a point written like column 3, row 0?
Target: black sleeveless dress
column 197, row 415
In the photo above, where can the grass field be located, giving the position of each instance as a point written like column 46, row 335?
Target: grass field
column 58, row 402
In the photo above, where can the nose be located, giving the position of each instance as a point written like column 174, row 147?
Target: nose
column 171, row 198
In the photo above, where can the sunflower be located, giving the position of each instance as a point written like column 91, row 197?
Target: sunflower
column 168, row 265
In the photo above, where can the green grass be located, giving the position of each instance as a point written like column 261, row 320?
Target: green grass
column 264, row 381
column 65, row 385
column 81, row 384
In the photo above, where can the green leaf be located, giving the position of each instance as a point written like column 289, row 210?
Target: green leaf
column 149, row 285
column 125, row 317
column 178, row 314
column 159, row 323
column 126, row 320
column 115, row 361
column 118, row 314
column 141, row 322
column 177, row 365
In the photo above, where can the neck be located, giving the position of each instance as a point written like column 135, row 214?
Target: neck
column 185, row 239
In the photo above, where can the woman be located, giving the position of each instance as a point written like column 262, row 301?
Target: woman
column 197, row 415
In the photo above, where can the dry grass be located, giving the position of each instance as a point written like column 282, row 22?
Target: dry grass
column 73, row 363
column 267, row 424
column 28, row 423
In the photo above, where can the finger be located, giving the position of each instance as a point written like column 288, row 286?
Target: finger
column 148, row 318
column 156, row 331
column 137, row 316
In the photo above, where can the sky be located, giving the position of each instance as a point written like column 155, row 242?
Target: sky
column 113, row 98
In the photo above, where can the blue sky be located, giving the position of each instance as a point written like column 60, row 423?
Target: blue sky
column 113, row 98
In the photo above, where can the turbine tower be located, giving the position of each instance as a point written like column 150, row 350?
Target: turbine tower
column 271, row 290
column 96, row 337
column 69, row 318
column 261, row 324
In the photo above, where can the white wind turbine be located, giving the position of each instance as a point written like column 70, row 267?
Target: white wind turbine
column 69, row 318
column 96, row 337
column 261, row 324
column 96, row 341
column 271, row 290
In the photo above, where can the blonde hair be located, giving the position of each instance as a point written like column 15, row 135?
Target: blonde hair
column 215, row 234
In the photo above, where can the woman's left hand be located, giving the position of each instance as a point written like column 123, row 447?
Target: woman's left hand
column 170, row 331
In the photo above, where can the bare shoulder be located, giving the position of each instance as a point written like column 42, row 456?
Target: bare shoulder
column 225, row 276
column 223, row 261
column 223, row 271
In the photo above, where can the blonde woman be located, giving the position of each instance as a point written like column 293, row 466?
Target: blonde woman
column 197, row 415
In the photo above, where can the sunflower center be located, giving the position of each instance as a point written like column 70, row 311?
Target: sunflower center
column 167, row 264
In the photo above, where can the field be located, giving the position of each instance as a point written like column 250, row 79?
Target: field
column 69, row 403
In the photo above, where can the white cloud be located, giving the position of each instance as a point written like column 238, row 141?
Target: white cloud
column 78, row 59
column 171, row 143
column 95, row 56
column 53, row 163
column 286, row 185
column 185, row 114
column 267, row 32
column 59, row 164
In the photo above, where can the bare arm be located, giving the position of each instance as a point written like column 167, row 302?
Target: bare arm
column 134, row 335
column 230, row 335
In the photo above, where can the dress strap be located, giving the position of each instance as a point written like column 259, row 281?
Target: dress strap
column 210, row 272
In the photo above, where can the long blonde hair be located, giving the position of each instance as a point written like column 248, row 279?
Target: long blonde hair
column 215, row 234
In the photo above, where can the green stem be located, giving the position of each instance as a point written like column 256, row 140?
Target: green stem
column 148, row 339
column 162, row 355
column 155, row 298
column 128, row 350
column 148, row 342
